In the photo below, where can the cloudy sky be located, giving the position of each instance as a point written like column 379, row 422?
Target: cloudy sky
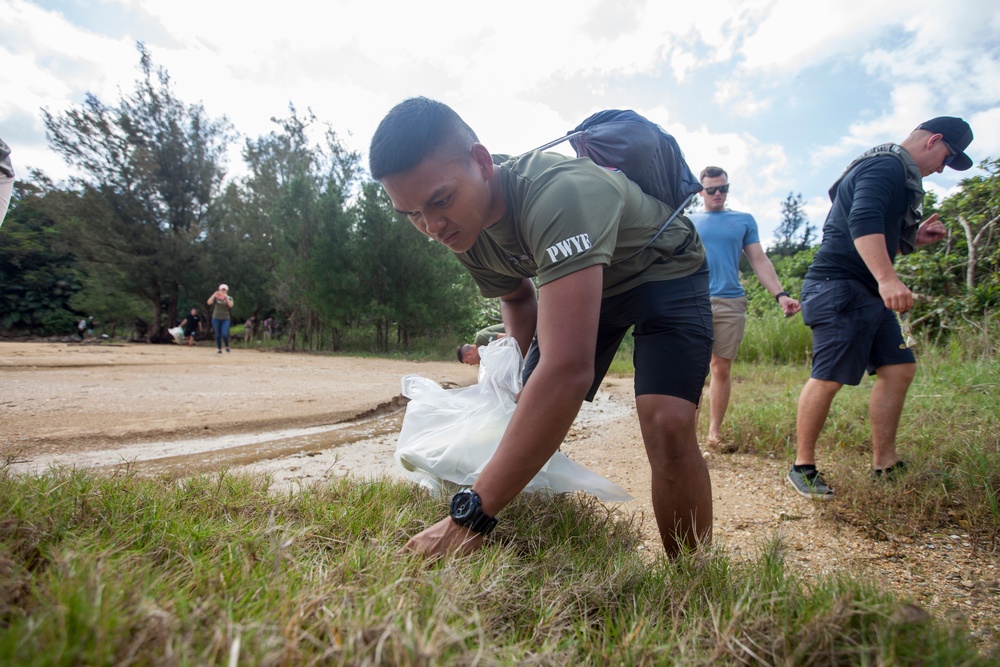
column 780, row 93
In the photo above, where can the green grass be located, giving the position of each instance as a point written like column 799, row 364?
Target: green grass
column 774, row 338
column 218, row 570
column 949, row 434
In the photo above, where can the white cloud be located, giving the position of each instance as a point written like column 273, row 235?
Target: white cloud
column 986, row 130
column 349, row 69
column 533, row 70
column 682, row 61
column 733, row 96
column 794, row 35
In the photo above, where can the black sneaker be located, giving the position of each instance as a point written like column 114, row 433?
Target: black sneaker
column 809, row 484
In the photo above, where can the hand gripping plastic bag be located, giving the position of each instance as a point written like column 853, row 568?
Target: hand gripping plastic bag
column 448, row 435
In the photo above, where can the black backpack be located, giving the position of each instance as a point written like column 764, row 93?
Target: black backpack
column 640, row 149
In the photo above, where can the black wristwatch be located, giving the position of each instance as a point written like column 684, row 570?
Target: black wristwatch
column 777, row 297
column 467, row 510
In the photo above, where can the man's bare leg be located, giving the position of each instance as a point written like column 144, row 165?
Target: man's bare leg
column 718, row 395
column 885, row 406
column 682, row 488
column 814, row 406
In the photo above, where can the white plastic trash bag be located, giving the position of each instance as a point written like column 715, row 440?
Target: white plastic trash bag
column 449, row 435
column 178, row 334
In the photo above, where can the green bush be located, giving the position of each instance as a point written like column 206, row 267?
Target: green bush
column 58, row 323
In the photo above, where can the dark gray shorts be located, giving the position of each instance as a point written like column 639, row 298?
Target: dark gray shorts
column 673, row 336
column 852, row 331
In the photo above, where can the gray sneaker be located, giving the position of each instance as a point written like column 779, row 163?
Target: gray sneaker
column 810, row 485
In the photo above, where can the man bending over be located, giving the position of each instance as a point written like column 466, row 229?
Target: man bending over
column 580, row 229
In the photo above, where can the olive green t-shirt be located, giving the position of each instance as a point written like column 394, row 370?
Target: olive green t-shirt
column 220, row 310
column 565, row 214
column 487, row 335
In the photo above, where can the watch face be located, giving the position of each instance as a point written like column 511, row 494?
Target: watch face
column 467, row 510
column 463, row 505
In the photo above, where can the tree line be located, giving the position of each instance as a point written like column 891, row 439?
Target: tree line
column 149, row 225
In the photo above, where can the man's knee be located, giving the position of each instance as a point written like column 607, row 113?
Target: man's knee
column 897, row 374
column 668, row 429
column 817, row 387
column 720, row 368
column 664, row 413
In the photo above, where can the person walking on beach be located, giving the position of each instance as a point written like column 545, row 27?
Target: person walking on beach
column 222, row 307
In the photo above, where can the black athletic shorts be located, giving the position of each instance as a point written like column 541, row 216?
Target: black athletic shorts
column 673, row 336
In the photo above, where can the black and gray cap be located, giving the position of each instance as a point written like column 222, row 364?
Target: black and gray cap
column 956, row 133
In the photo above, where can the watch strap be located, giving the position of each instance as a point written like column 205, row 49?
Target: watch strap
column 482, row 523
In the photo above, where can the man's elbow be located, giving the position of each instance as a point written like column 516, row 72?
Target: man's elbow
column 524, row 292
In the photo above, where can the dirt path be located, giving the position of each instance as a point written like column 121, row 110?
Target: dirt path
column 307, row 418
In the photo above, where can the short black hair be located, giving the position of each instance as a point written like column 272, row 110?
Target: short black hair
column 713, row 172
column 461, row 352
column 411, row 131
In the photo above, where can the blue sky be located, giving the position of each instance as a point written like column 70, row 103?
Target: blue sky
column 780, row 93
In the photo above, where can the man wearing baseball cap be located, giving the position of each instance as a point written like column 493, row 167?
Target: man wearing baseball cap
column 851, row 292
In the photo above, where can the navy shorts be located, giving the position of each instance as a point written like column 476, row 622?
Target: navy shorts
column 852, row 331
column 673, row 336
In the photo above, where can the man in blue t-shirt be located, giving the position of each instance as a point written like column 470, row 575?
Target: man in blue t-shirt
column 851, row 290
column 726, row 234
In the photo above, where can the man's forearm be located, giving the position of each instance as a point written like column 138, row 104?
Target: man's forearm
column 762, row 268
column 567, row 315
column 876, row 257
column 894, row 293
column 545, row 411
column 768, row 277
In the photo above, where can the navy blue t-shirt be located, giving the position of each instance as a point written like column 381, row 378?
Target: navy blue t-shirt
column 871, row 199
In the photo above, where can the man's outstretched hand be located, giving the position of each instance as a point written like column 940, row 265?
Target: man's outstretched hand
column 930, row 231
column 445, row 538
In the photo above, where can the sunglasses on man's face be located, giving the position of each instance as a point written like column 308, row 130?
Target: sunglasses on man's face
column 717, row 188
column 952, row 154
